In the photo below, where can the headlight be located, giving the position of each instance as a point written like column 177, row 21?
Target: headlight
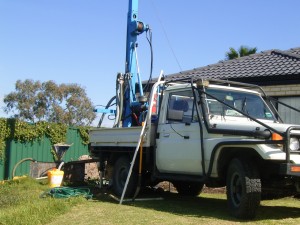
column 294, row 144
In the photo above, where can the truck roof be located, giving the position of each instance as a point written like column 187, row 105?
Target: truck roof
column 233, row 88
column 223, row 86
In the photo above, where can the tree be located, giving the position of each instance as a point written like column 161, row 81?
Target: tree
column 242, row 51
column 35, row 101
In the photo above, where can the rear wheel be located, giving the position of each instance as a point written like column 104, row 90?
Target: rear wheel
column 243, row 189
column 121, row 169
column 188, row 188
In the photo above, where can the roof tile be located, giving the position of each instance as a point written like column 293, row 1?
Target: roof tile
column 267, row 63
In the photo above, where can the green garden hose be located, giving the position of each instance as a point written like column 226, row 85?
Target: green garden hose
column 67, row 192
column 21, row 161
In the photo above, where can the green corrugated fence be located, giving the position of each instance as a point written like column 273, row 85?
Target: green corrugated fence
column 38, row 150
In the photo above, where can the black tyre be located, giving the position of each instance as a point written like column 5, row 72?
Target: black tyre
column 121, row 169
column 243, row 189
column 188, row 188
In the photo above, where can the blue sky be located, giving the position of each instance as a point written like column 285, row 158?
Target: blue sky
column 83, row 41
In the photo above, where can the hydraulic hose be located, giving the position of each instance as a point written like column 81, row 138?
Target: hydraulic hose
column 106, row 107
column 119, row 99
column 149, row 39
column 121, row 102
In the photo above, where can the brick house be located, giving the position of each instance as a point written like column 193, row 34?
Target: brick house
column 278, row 72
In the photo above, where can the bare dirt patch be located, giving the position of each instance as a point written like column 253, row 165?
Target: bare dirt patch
column 168, row 186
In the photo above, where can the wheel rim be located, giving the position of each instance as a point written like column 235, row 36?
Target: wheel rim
column 236, row 189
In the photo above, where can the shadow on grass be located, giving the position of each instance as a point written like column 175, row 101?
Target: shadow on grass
column 206, row 207
column 188, row 206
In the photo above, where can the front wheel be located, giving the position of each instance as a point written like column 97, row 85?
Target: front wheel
column 120, row 173
column 243, row 189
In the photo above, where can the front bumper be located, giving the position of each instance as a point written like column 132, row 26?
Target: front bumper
column 290, row 169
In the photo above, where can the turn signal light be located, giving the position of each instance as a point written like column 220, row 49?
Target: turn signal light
column 276, row 137
column 295, row 168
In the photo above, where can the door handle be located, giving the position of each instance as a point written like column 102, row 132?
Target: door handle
column 166, row 135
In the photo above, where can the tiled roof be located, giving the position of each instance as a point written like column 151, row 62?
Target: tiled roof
column 264, row 64
column 294, row 51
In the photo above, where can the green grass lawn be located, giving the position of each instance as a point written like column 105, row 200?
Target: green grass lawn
column 20, row 204
column 207, row 209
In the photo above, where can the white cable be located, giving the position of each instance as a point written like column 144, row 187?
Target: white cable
column 166, row 36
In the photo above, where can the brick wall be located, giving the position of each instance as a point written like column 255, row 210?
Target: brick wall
column 282, row 90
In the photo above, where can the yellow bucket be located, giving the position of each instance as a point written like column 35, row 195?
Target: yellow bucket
column 55, row 177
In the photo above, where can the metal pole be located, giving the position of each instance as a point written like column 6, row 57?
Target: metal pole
column 133, row 160
column 148, row 120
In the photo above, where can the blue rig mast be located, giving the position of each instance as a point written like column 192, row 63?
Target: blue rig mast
column 132, row 106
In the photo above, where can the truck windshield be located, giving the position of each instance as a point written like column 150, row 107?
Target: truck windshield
column 249, row 103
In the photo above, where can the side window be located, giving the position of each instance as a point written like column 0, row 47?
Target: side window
column 181, row 107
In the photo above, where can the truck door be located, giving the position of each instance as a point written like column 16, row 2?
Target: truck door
column 178, row 140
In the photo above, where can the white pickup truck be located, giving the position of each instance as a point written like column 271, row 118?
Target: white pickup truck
column 211, row 132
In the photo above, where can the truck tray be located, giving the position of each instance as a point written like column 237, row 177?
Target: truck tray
column 121, row 137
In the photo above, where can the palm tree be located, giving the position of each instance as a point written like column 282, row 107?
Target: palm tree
column 242, row 51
